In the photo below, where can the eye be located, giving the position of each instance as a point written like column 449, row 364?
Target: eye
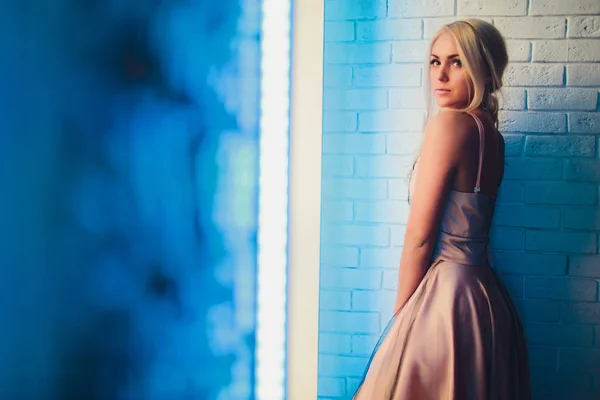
column 457, row 63
column 435, row 62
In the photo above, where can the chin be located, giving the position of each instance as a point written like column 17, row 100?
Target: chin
column 446, row 105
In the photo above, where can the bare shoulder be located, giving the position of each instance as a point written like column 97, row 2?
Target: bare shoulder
column 452, row 131
column 450, row 124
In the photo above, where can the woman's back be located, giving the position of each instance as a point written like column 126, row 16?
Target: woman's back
column 492, row 170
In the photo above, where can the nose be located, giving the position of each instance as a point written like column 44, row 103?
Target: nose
column 442, row 75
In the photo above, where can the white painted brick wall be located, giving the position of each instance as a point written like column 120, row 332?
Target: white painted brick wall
column 545, row 233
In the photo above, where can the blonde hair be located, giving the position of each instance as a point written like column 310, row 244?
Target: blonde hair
column 482, row 50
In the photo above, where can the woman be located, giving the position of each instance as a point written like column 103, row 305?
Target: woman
column 455, row 334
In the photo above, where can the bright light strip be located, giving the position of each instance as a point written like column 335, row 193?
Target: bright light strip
column 273, row 200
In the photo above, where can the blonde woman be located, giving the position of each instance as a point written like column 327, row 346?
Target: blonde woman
column 455, row 334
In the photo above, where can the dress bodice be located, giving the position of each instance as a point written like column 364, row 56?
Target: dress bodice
column 466, row 220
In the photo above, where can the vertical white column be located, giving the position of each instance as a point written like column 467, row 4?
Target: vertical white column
column 305, row 198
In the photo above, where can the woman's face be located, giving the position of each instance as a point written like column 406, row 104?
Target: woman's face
column 449, row 80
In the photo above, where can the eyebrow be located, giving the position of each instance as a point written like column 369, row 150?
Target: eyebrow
column 450, row 56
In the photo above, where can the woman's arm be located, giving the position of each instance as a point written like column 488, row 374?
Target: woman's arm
column 445, row 136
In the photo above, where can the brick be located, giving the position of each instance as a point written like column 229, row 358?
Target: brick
column 367, row 300
column 483, row 7
column 334, row 343
column 562, row 99
column 559, row 288
column 527, row 217
column 389, row 29
column 350, row 278
column 336, row 76
column 546, row 357
column 338, row 31
column 534, row 310
column 431, row 26
column 533, row 75
column 351, row 143
column 397, row 235
column 583, row 27
column 583, row 50
column 341, row 366
column 560, row 146
column 339, row 256
column 531, row 121
column 510, row 192
column 352, row 384
column 333, row 387
column 582, row 170
column 348, row 99
column 364, row 345
column 350, row 188
column 561, row 7
column 357, row 9
column 355, row 235
column 531, row 264
column 531, row 27
column 581, row 313
column 513, row 145
column 380, row 257
column 387, row 166
column 410, row 51
column 337, row 211
column 569, row 242
column 518, row 50
column 386, row 121
column 583, row 75
column 549, row 51
column 582, row 218
column 390, row 279
column 398, row 189
column 403, row 143
column 426, row 8
column 530, row 168
column 357, row 53
column 337, row 165
column 338, row 300
column 506, row 239
column 513, row 284
column 564, row 385
column 408, row 98
column 580, row 122
column 339, row 121
column 585, row 266
column 389, row 76
column 342, row 321
column 512, row 98
column 393, row 212
column 559, row 334
column 579, row 360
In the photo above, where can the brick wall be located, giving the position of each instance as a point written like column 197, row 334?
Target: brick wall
column 545, row 232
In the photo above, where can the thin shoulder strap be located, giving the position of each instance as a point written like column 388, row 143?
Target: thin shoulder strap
column 477, row 188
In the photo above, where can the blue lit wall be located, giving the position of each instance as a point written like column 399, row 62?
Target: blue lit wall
column 128, row 153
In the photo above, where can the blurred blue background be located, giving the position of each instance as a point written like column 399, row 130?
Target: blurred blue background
column 128, row 154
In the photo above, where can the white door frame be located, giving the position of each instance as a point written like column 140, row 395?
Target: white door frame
column 305, row 198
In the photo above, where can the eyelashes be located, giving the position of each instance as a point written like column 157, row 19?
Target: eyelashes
column 456, row 62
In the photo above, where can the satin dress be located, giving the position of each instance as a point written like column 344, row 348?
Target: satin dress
column 458, row 337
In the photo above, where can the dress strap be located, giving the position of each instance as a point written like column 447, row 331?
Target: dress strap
column 477, row 188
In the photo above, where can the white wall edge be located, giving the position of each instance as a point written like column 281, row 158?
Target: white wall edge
column 305, row 198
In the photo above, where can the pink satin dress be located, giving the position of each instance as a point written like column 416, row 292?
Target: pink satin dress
column 458, row 337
